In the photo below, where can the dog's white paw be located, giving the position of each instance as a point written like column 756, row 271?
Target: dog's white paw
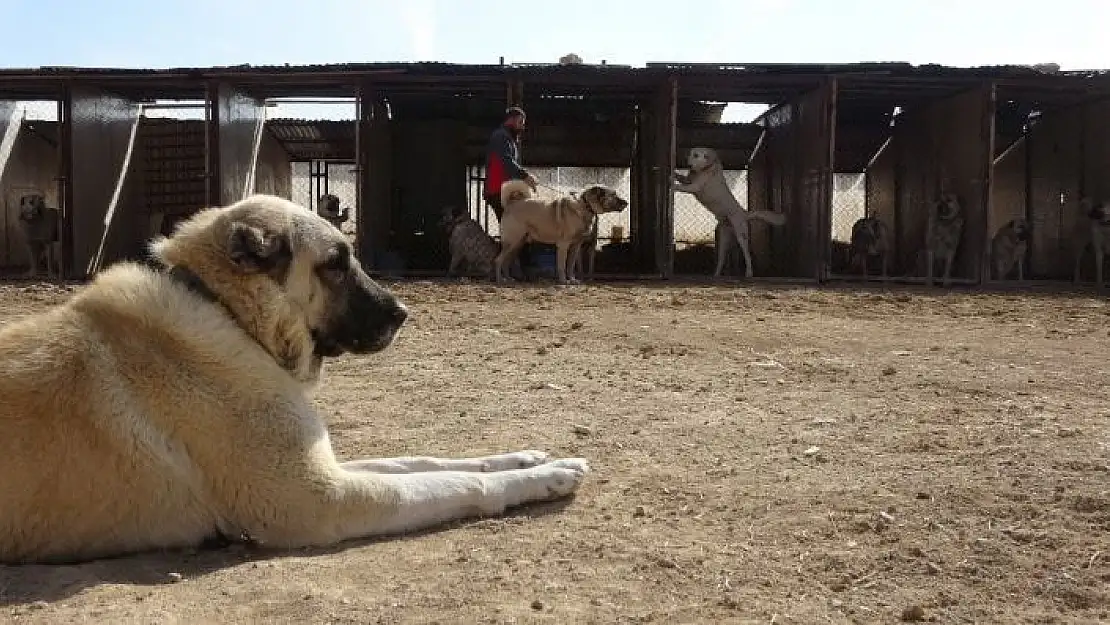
column 516, row 460
column 563, row 476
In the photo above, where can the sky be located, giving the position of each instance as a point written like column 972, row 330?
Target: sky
column 200, row 33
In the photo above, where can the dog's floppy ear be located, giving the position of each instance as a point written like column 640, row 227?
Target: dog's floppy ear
column 254, row 250
column 714, row 160
column 591, row 196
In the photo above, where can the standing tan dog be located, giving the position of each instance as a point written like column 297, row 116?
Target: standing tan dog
column 159, row 407
column 1094, row 231
column 1008, row 248
column 706, row 182
column 943, row 233
column 870, row 238
column 41, row 229
column 564, row 223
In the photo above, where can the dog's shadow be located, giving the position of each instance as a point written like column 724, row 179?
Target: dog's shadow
column 35, row 583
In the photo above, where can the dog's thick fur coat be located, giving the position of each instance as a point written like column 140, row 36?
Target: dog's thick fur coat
column 565, row 223
column 1093, row 231
column 164, row 405
column 41, row 226
column 706, row 182
column 870, row 238
column 469, row 245
column 943, row 233
column 1008, row 248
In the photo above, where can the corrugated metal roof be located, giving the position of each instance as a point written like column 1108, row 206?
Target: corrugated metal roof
column 740, row 82
column 443, row 68
column 306, row 139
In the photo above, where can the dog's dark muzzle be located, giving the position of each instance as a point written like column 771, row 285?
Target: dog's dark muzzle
column 371, row 320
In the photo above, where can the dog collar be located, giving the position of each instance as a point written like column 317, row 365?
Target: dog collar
column 192, row 281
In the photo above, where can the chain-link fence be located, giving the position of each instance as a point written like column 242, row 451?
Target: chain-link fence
column 563, row 180
column 849, row 204
column 614, row 251
column 694, row 225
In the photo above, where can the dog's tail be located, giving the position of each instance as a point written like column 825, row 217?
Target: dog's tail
column 771, row 217
column 515, row 191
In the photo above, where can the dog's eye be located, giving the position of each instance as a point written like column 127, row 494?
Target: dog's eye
column 338, row 262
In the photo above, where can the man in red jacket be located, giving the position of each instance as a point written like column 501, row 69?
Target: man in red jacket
column 503, row 165
column 503, row 159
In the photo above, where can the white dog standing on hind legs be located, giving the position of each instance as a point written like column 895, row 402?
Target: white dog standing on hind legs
column 706, row 182
column 166, row 404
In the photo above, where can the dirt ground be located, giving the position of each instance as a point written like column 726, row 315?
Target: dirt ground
column 760, row 455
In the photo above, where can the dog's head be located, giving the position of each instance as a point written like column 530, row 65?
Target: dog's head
column 450, row 217
column 948, row 207
column 32, row 206
column 1021, row 229
column 602, row 200
column 328, row 205
column 1095, row 211
column 867, row 234
column 289, row 278
column 702, row 159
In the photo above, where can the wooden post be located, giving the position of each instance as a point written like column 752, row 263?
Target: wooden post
column 375, row 176
column 65, row 176
column 666, row 131
column 828, row 175
column 986, row 145
column 212, row 174
column 363, row 114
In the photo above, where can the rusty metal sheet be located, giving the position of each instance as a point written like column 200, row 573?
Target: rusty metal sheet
column 1008, row 187
column 1055, row 173
column 947, row 145
column 780, row 184
column 374, row 148
column 664, row 166
column 101, row 129
column 1096, row 149
column 799, row 142
column 274, row 171
column 429, row 181
column 759, row 198
column 239, row 118
column 881, row 189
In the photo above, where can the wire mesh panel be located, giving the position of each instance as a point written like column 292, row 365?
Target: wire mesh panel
column 613, row 229
column 849, row 205
column 311, row 179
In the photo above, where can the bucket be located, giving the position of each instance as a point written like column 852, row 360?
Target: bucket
column 543, row 257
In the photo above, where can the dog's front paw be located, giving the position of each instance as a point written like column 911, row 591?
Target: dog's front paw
column 563, row 476
column 516, row 460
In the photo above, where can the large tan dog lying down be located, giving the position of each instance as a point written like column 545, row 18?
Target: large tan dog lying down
column 162, row 406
